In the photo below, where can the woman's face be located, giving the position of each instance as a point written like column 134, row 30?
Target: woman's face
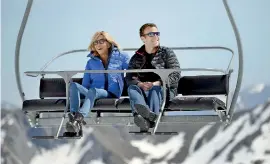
column 101, row 45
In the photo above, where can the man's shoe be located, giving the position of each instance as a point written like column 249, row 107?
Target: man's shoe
column 152, row 124
column 145, row 112
column 142, row 123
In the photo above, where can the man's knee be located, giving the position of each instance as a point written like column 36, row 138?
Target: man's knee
column 156, row 89
column 133, row 88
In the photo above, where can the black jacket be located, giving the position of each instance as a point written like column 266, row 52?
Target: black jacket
column 164, row 58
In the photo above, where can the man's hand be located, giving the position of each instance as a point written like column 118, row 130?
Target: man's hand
column 145, row 85
column 157, row 83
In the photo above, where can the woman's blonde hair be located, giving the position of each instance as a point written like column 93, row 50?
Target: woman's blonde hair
column 107, row 36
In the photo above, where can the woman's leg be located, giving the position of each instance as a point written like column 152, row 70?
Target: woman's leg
column 75, row 90
column 92, row 95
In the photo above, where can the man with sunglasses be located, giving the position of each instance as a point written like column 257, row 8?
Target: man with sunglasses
column 145, row 89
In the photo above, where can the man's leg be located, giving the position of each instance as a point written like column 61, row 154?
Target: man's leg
column 136, row 96
column 151, row 110
column 154, row 99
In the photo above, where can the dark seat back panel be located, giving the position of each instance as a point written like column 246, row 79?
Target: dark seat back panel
column 187, row 85
column 204, row 85
column 56, row 87
column 37, row 105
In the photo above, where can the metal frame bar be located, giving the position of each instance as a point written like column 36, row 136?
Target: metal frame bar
column 128, row 120
column 134, row 49
column 230, row 112
column 66, row 77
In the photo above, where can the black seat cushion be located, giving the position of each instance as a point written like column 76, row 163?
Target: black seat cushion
column 123, row 104
column 195, row 103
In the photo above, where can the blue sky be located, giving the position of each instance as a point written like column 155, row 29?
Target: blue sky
column 58, row 26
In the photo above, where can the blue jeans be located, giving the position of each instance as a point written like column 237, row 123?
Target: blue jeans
column 152, row 98
column 90, row 96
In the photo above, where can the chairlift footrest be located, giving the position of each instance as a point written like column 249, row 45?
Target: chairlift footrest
column 157, row 133
column 66, row 135
column 55, row 138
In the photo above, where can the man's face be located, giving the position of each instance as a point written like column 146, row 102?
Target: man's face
column 150, row 37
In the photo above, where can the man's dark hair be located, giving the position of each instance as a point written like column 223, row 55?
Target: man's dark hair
column 145, row 26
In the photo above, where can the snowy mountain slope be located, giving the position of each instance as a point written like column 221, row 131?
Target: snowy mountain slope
column 249, row 134
column 246, row 140
column 253, row 95
column 14, row 139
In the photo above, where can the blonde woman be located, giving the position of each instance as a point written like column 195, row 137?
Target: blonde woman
column 104, row 55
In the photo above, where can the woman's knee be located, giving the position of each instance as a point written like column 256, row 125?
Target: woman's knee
column 73, row 86
column 92, row 92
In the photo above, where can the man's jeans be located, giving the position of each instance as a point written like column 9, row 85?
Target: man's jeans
column 152, row 98
column 90, row 96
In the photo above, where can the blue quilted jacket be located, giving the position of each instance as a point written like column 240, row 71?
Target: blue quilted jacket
column 112, row 82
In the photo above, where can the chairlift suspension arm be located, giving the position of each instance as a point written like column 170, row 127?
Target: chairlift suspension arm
column 165, row 78
column 66, row 76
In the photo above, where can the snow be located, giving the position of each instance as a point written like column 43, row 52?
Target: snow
column 69, row 153
column 4, row 121
column 257, row 88
column 29, row 144
column 258, row 147
column 198, row 136
column 136, row 160
column 240, row 103
column 223, row 142
column 169, row 148
column 97, row 161
column 3, row 136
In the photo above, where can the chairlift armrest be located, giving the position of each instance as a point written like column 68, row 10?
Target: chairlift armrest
column 158, row 71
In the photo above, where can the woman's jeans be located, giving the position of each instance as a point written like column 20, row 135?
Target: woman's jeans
column 152, row 98
column 90, row 96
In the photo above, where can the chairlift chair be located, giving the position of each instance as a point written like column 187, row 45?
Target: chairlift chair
column 52, row 107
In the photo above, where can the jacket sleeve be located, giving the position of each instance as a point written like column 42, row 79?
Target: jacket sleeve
column 173, row 63
column 125, row 61
column 86, row 82
column 132, row 78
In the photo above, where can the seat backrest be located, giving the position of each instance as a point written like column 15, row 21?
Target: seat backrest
column 56, row 87
column 204, row 85
column 188, row 85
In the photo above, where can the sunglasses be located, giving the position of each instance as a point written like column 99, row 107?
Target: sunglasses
column 101, row 41
column 152, row 34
